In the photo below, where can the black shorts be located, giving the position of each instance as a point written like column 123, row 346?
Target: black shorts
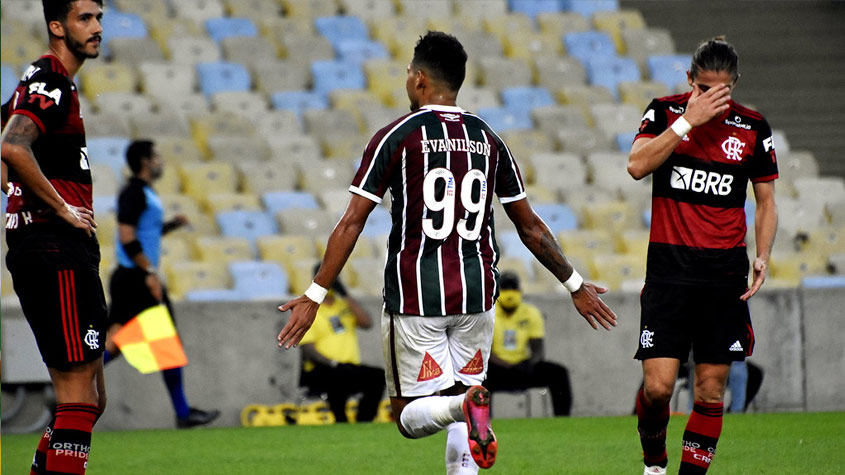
column 57, row 280
column 712, row 321
column 130, row 295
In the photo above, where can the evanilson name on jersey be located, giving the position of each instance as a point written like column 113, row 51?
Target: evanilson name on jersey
column 455, row 145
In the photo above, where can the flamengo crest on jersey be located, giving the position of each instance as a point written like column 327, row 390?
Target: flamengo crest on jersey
column 698, row 194
column 442, row 166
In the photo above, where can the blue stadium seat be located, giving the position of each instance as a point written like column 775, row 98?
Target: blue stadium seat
column 750, row 213
column 526, row 98
column 584, row 45
column 9, row 80
column 108, row 151
column 299, row 101
column 222, row 76
column 379, row 223
column 669, row 69
column 532, row 8
column 587, row 7
column 357, row 51
column 246, row 224
column 259, row 280
column 213, row 295
column 624, row 141
column 331, row 75
column 504, row 118
column 276, row 201
column 220, row 28
column 609, row 72
column 338, row 29
column 121, row 25
column 511, row 245
column 823, row 281
column 104, row 204
column 559, row 217
column 647, row 217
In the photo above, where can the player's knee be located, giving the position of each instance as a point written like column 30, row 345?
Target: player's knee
column 658, row 393
column 402, row 430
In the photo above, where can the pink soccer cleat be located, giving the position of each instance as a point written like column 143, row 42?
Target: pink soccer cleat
column 482, row 441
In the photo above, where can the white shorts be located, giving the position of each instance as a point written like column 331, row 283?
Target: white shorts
column 423, row 355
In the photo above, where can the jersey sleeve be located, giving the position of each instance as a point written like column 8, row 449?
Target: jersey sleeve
column 764, row 163
column 509, row 185
column 537, row 328
column 45, row 98
column 373, row 177
column 130, row 205
column 654, row 120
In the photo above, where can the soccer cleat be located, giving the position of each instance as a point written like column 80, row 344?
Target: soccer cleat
column 482, row 441
column 197, row 417
column 654, row 470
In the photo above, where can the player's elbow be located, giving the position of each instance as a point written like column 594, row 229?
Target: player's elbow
column 635, row 170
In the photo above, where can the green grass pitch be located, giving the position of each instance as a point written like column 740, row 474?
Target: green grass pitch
column 750, row 444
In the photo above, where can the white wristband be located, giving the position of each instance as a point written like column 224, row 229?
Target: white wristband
column 316, row 292
column 574, row 282
column 681, row 127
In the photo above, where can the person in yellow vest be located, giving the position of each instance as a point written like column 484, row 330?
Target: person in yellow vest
column 332, row 359
column 517, row 357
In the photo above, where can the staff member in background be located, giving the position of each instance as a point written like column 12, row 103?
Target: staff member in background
column 517, row 358
column 332, row 359
column 135, row 285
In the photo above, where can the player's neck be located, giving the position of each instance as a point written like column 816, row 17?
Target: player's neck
column 70, row 61
column 438, row 98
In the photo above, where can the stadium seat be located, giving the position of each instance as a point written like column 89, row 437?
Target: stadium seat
column 213, row 295
column 222, row 76
column 109, row 151
column 836, row 213
column 589, row 44
column 383, row 75
column 615, row 216
column 326, row 176
column 634, row 242
column 511, row 246
column 645, row 42
column 107, row 77
column 671, row 69
column 558, row 171
column 379, row 223
column 198, row 11
column 624, row 141
column 246, row 224
column 368, row 9
column 330, row 75
column 640, row 93
column 177, row 149
column 610, row 71
column 823, row 282
column 267, row 176
column 311, row 222
column 580, row 197
column 523, row 143
column 282, row 200
column 584, row 97
column 262, row 280
column 193, row 50
column 339, row 29
column 430, row 9
column 255, row 10
column 149, row 10
column 526, row 97
column 358, row 51
column 175, row 249
column 792, row 268
column 583, row 140
column 217, row 202
column 184, row 277
column 160, row 123
column 798, row 216
column 586, row 243
column 559, row 217
column 826, row 240
column 220, row 123
column 615, row 119
column 104, row 181
column 615, row 22
column 322, row 123
column 309, row 9
column 161, row 79
column 608, row 170
column 368, row 281
column 551, row 119
column 820, row 190
column 559, row 23
column 614, row 269
column 511, row 24
column 277, row 121
column 797, row 164
column 20, row 51
column 532, row 8
column 296, row 149
column 552, row 73
column 180, row 204
column 248, row 104
column 299, row 101
column 104, row 204
column 587, row 8
column 170, row 27
column 226, row 27
column 249, row 51
column 292, row 45
column 499, row 73
column 357, row 102
column 8, row 82
column 121, row 25
column 483, row 8
column 223, row 249
column 475, row 98
column 287, row 249
column 199, row 178
column 502, row 119
column 124, row 103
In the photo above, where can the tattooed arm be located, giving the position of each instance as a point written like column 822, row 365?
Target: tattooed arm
column 538, row 238
column 17, row 140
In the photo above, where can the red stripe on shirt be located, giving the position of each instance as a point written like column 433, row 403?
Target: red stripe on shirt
column 33, row 117
column 692, row 225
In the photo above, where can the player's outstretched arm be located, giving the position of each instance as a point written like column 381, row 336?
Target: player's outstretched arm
column 765, row 228
column 541, row 242
column 18, row 136
column 341, row 242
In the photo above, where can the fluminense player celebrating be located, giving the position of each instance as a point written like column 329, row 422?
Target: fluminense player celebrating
column 702, row 148
column 53, row 255
column 442, row 166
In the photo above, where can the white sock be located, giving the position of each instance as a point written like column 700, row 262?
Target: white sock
column 429, row 415
column 458, row 459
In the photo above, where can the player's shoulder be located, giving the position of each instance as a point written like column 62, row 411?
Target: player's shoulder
column 46, row 67
column 748, row 114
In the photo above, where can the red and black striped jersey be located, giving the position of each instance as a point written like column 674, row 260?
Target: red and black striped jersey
column 48, row 96
column 440, row 164
column 698, row 195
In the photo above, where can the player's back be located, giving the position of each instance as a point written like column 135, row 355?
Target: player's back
column 441, row 165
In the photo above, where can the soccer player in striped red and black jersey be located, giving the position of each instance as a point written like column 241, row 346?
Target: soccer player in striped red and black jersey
column 442, row 166
column 53, row 254
column 702, row 148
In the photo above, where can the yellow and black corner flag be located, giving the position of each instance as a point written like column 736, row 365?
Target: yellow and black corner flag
column 149, row 341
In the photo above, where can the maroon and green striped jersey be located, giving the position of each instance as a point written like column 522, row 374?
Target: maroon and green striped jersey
column 440, row 164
